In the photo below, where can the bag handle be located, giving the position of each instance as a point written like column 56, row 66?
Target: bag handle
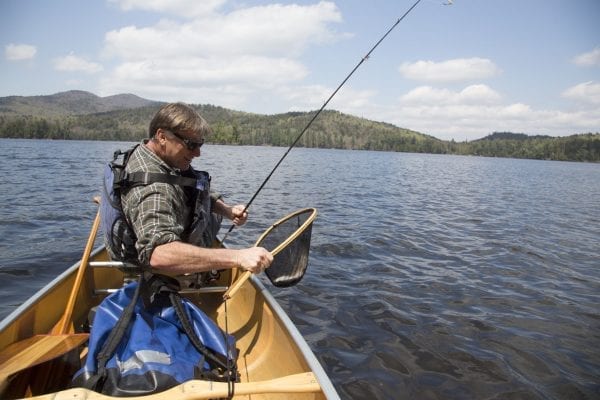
column 114, row 339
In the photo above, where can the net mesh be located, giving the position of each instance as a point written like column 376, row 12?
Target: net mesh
column 289, row 241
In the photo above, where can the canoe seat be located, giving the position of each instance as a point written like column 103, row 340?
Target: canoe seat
column 131, row 271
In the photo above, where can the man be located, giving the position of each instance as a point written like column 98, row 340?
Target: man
column 175, row 225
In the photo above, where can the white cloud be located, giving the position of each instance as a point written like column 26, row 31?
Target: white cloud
column 19, row 52
column 226, row 59
column 460, row 69
column 73, row 63
column 477, row 111
column 587, row 92
column 193, row 78
column 183, row 8
column 246, row 69
column 470, row 122
column 591, row 58
column 474, row 94
column 276, row 30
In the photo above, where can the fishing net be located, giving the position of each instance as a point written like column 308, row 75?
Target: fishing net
column 290, row 240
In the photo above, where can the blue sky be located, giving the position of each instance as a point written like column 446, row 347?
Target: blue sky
column 459, row 71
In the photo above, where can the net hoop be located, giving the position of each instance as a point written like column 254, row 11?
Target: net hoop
column 281, row 277
column 295, row 234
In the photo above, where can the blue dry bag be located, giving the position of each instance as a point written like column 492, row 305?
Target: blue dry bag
column 145, row 338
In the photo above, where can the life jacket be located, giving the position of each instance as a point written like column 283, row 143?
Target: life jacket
column 119, row 237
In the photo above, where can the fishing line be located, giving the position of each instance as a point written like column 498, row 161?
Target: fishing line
column 366, row 57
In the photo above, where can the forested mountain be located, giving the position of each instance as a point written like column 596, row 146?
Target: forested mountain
column 511, row 136
column 82, row 115
column 74, row 102
column 583, row 147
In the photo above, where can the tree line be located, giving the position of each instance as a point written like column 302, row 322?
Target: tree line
column 331, row 130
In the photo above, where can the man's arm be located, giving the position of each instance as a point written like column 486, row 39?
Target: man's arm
column 181, row 258
column 235, row 213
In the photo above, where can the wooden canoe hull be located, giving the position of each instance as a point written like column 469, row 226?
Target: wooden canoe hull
column 270, row 345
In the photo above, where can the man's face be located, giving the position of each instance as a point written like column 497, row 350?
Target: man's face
column 181, row 148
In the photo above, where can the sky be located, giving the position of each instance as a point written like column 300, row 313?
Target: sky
column 456, row 70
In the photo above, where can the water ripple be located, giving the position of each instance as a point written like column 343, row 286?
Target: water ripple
column 430, row 277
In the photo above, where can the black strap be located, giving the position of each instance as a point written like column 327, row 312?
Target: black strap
column 214, row 359
column 156, row 288
column 115, row 337
column 124, row 180
column 145, row 178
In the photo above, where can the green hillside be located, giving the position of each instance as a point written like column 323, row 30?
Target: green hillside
column 82, row 115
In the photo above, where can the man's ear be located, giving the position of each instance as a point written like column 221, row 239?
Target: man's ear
column 160, row 136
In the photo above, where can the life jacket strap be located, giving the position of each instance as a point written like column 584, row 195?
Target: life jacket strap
column 146, row 178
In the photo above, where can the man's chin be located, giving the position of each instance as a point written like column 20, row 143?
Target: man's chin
column 186, row 165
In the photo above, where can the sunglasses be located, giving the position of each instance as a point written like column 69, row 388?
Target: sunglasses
column 189, row 143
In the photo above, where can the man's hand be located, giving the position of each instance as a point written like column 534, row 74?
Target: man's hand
column 238, row 215
column 254, row 259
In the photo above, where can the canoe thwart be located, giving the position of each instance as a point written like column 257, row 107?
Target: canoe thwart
column 201, row 290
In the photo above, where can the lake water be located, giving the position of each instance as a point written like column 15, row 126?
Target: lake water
column 430, row 277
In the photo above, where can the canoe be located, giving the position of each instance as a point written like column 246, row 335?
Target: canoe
column 275, row 362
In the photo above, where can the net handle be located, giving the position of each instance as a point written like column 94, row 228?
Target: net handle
column 246, row 275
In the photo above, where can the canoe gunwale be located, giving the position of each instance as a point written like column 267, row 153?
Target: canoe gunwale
column 308, row 354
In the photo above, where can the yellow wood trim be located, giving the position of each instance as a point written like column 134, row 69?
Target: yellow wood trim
column 305, row 382
column 35, row 350
column 65, row 324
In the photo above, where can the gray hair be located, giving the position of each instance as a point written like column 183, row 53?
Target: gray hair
column 177, row 117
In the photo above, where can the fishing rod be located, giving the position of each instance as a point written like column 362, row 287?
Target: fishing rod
column 366, row 57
